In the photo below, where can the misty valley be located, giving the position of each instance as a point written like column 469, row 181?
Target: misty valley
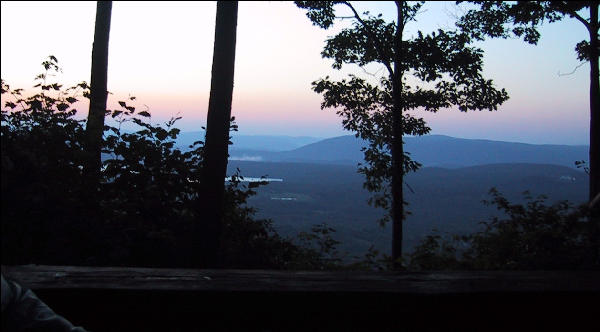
column 320, row 184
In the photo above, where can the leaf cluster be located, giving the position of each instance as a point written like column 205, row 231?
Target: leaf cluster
column 320, row 13
column 522, row 19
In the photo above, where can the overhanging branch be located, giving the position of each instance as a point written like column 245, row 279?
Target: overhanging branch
column 581, row 19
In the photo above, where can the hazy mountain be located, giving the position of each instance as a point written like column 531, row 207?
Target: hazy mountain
column 449, row 200
column 251, row 142
column 430, row 150
column 438, row 150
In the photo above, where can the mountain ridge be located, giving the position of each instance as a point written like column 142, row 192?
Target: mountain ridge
column 429, row 150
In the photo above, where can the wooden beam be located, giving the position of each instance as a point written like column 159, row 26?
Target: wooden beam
column 134, row 278
column 148, row 299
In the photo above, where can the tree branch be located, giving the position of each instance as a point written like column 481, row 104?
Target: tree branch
column 371, row 74
column 409, row 187
column 378, row 45
column 574, row 70
column 581, row 19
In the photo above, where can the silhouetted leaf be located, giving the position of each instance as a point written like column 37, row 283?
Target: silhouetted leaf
column 62, row 106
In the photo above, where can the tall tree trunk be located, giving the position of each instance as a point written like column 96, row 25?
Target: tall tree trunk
column 397, row 146
column 594, row 105
column 98, row 93
column 594, row 127
column 217, row 126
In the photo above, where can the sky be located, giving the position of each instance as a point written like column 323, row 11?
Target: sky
column 161, row 52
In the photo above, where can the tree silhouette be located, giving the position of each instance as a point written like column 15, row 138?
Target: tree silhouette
column 522, row 19
column 98, row 91
column 447, row 72
column 218, row 121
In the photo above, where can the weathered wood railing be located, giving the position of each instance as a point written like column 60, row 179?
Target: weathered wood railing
column 142, row 299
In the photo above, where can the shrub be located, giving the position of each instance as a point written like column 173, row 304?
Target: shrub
column 146, row 211
column 530, row 236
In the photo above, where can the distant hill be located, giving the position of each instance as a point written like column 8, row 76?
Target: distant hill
column 438, row 150
column 430, row 150
column 251, row 142
column 449, row 200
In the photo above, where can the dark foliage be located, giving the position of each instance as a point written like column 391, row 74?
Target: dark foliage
column 146, row 211
column 531, row 236
column 501, row 19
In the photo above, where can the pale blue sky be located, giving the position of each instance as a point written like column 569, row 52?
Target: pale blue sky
column 162, row 53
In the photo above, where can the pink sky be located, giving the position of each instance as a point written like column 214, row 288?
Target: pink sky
column 162, row 53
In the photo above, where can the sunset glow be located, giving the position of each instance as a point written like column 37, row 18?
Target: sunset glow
column 161, row 52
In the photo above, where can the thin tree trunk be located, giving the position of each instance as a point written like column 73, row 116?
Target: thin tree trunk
column 217, row 125
column 594, row 105
column 397, row 147
column 594, row 128
column 98, row 92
